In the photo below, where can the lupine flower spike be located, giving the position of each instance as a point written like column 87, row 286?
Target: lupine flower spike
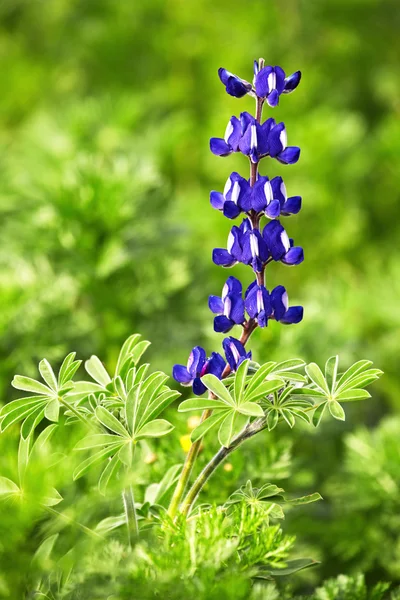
column 251, row 242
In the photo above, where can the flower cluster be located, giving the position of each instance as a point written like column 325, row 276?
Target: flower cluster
column 250, row 243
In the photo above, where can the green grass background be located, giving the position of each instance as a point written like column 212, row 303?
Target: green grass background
column 106, row 109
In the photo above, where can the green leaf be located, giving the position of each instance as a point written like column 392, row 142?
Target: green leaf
column 264, row 389
column 240, row 381
column 102, row 454
column 83, row 389
column 304, row 499
column 27, row 384
column 289, row 418
column 96, row 440
column 47, row 373
column 67, row 362
column 208, row 424
column 139, row 350
column 309, row 392
column 259, row 377
column 200, row 404
column 318, row 414
column 336, row 410
column 23, row 457
column 269, row 490
column 96, row 370
column 52, row 410
column 52, row 498
column 108, row 472
column 8, row 487
column 125, row 351
column 20, row 413
column 120, row 388
column 292, row 566
column 331, row 369
column 43, row 553
column 288, row 365
column 361, row 380
column 251, row 408
column 158, row 405
column 272, row 419
column 291, row 376
column 353, row 395
column 230, row 427
column 126, row 452
column 110, row 422
column 355, row 369
column 31, row 422
column 316, row 376
column 131, row 404
column 217, row 388
column 110, row 523
column 165, row 484
column 155, row 428
column 21, row 403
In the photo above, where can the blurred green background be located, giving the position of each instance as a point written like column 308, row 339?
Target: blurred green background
column 106, row 109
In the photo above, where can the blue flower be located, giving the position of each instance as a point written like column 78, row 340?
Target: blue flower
column 271, row 82
column 254, row 250
column 233, row 84
column 234, row 198
column 233, row 254
column 278, row 148
column 254, row 139
column 230, row 143
column 229, row 307
column 197, row 366
column 288, row 206
column 280, row 246
column 235, row 352
column 258, row 303
column 280, row 307
column 264, row 198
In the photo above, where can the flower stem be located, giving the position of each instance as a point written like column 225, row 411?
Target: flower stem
column 130, row 514
column 223, row 452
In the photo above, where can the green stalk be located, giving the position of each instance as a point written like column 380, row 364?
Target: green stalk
column 186, row 472
column 209, row 469
column 130, row 515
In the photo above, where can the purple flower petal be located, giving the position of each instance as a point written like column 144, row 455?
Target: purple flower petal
column 292, row 206
column 279, row 302
column 181, row 375
column 294, row 256
column 217, row 200
column 292, row 82
column 219, row 147
column 289, row 156
column 223, row 258
column 215, row 365
column 196, row 360
column 236, row 312
column 273, row 209
column 293, row 315
column 216, row 305
column 273, row 99
column 223, row 324
column 198, row 387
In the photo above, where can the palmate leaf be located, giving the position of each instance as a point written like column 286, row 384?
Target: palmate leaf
column 330, row 390
column 46, row 399
column 231, row 426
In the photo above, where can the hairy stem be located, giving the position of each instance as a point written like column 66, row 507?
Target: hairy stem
column 248, row 432
column 130, row 514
